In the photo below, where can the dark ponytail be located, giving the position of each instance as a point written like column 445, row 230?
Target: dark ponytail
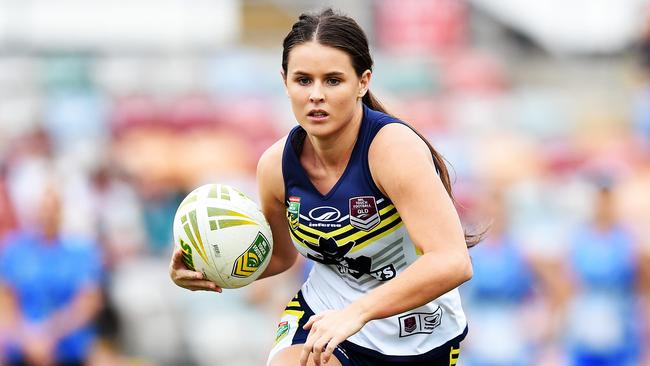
column 339, row 31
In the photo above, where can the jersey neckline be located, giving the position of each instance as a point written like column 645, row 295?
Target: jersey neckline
column 348, row 166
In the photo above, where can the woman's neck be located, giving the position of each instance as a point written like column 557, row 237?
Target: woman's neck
column 334, row 151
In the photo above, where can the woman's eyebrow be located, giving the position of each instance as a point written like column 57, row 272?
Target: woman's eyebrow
column 329, row 74
column 334, row 73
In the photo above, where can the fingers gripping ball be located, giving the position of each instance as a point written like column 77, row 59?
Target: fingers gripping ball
column 223, row 234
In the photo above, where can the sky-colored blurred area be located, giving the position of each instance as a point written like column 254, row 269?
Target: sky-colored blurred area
column 111, row 111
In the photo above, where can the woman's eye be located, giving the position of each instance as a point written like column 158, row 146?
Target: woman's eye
column 303, row 81
column 333, row 82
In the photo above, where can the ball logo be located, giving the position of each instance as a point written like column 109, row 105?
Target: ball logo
column 325, row 214
column 187, row 255
column 247, row 263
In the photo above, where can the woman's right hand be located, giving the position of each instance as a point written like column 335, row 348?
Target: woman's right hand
column 186, row 278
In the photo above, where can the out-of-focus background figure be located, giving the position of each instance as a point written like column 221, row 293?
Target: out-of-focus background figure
column 111, row 112
column 50, row 290
column 604, row 269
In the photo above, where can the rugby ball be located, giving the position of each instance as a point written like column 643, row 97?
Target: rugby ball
column 223, row 234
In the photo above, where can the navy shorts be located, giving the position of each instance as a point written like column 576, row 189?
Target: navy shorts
column 297, row 313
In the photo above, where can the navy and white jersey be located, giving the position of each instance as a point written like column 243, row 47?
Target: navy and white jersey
column 358, row 241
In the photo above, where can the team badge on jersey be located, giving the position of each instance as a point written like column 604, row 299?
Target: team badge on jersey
column 283, row 330
column 363, row 213
column 293, row 212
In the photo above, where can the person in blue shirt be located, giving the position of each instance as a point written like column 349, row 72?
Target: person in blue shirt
column 49, row 291
column 509, row 281
column 604, row 315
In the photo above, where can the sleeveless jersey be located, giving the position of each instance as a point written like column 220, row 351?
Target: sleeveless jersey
column 357, row 240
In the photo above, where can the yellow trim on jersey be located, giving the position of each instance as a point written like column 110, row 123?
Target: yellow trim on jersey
column 300, row 237
column 297, row 313
column 361, row 234
column 318, row 232
column 418, row 250
column 293, row 303
column 378, row 237
column 357, row 236
column 298, row 240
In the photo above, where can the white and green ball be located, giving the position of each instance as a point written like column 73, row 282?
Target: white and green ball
column 223, row 234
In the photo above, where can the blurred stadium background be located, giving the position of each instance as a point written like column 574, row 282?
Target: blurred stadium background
column 111, row 111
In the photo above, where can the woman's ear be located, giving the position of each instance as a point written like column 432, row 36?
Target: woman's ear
column 364, row 83
column 284, row 81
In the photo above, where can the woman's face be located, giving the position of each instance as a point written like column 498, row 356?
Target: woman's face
column 324, row 88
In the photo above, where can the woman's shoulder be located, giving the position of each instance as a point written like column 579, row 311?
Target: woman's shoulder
column 396, row 137
column 273, row 154
column 397, row 153
column 269, row 168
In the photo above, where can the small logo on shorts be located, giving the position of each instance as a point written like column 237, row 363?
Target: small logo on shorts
column 342, row 351
column 410, row 324
column 283, row 330
column 419, row 323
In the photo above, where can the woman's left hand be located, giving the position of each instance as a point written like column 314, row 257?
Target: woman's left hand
column 327, row 330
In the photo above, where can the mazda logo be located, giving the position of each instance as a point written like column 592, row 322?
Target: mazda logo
column 325, row 214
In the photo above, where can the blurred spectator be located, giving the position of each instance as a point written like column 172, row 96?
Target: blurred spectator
column 118, row 216
column 7, row 218
column 644, row 46
column 160, row 200
column 641, row 115
column 503, row 297
column 28, row 164
column 603, row 316
column 117, row 219
column 439, row 26
column 49, row 291
column 641, row 102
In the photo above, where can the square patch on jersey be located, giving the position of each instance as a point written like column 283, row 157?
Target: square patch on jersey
column 293, row 212
column 419, row 323
column 363, row 213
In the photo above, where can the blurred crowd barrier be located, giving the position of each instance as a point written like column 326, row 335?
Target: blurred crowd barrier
column 97, row 150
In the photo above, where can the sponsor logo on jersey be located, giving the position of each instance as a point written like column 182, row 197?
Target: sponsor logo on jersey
column 325, row 214
column 419, row 323
column 283, row 330
column 247, row 263
column 363, row 213
column 324, row 217
column 293, row 212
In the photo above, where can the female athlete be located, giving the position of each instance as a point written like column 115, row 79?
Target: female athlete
column 367, row 199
